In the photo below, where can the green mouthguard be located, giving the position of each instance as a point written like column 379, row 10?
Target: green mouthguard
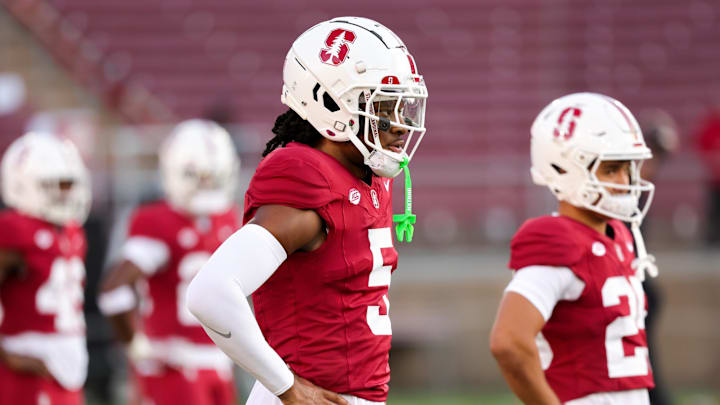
column 404, row 229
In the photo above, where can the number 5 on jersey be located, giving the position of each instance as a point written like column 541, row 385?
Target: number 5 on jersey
column 378, row 316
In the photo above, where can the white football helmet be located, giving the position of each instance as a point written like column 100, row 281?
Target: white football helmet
column 44, row 176
column 199, row 168
column 339, row 72
column 571, row 136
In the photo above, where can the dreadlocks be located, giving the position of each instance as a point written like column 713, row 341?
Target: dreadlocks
column 289, row 127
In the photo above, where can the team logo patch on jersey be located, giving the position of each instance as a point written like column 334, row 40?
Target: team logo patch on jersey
column 187, row 238
column 337, row 47
column 598, row 249
column 374, row 196
column 43, row 399
column 44, row 239
column 354, row 196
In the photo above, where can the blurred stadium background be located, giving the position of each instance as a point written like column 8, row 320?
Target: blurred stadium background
column 114, row 74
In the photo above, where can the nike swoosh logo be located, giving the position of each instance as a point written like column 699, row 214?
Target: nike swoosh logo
column 387, row 185
column 225, row 335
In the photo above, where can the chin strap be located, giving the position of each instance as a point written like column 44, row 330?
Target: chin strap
column 405, row 221
column 643, row 262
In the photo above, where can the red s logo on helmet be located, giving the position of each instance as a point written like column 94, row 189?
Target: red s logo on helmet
column 567, row 121
column 337, row 46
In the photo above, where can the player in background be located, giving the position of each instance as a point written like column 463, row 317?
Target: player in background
column 316, row 249
column 43, row 355
column 575, row 307
column 168, row 241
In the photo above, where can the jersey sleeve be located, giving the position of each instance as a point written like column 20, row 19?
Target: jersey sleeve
column 546, row 242
column 545, row 286
column 290, row 181
column 145, row 246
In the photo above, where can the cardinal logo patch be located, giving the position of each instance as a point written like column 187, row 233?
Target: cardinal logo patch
column 337, row 46
column 598, row 249
column 44, row 239
column 187, row 238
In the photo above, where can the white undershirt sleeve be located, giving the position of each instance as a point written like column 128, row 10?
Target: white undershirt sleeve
column 217, row 297
column 544, row 286
column 148, row 254
column 119, row 300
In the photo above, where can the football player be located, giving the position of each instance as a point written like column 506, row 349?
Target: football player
column 316, row 250
column 570, row 328
column 167, row 243
column 43, row 355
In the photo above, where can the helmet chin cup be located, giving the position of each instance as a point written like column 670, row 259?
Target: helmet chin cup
column 209, row 202
column 383, row 165
column 624, row 205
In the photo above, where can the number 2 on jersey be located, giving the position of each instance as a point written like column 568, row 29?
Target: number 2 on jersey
column 618, row 364
column 379, row 276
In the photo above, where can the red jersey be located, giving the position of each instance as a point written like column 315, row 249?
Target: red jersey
column 598, row 341
column 325, row 312
column 176, row 246
column 41, row 308
column 48, row 296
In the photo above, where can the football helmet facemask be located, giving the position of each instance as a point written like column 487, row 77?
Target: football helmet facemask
column 351, row 78
column 199, row 168
column 44, row 176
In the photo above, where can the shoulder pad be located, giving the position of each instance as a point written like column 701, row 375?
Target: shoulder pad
column 147, row 220
column 296, row 177
column 548, row 241
column 11, row 235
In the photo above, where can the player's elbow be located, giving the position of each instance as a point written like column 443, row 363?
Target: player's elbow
column 505, row 347
column 199, row 296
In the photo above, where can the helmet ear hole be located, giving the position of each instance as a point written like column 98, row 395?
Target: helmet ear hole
column 329, row 103
column 558, row 169
column 315, row 91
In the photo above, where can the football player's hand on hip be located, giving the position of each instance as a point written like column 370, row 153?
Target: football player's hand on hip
column 26, row 364
column 303, row 392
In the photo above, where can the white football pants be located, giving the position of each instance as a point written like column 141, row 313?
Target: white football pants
column 629, row 397
column 261, row 396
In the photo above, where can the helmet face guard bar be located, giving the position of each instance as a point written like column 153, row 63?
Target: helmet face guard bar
column 624, row 206
column 390, row 106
